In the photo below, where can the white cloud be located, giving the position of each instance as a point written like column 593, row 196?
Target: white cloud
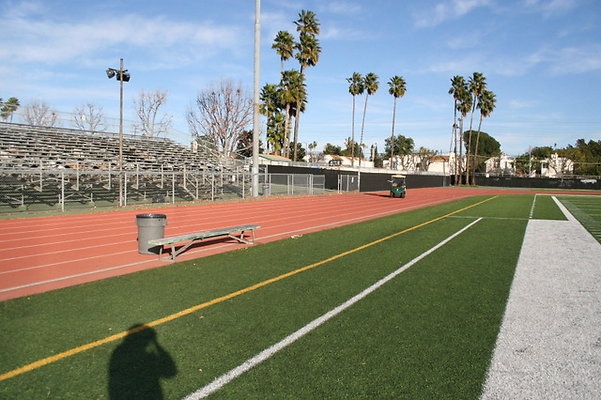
column 517, row 104
column 550, row 60
column 550, row 7
column 28, row 37
column 447, row 10
column 340, row 7
column 568, row 60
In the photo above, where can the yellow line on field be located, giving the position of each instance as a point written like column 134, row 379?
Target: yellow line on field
column 187, row 311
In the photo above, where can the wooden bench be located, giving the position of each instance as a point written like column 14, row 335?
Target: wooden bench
column 196, row 237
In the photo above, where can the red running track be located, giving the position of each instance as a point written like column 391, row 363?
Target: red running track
column 45, row 253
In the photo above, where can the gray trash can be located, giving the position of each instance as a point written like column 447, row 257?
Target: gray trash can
column 150, row 226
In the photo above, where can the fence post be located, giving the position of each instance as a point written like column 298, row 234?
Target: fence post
column 62, row 191
column 77, row 176
column 125, row 189
column 173, row 189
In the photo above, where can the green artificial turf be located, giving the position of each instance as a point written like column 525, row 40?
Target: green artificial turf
column 427, row 334
column 587, row 210
column 545, row 208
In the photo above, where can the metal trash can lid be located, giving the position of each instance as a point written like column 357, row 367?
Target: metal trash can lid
column 151, row 216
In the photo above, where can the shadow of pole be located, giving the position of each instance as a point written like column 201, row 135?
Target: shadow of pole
column 138, row 364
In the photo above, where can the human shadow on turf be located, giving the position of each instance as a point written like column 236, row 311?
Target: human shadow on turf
column 137, row 366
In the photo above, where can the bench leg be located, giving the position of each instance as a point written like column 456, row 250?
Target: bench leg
column 241, row 237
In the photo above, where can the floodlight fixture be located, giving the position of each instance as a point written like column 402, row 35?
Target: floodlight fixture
column 119, row 74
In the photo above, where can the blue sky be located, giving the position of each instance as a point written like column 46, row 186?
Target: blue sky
column 542, row 58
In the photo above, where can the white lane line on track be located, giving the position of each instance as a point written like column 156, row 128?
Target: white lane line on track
column 204, row 220
column 332, row 224
column 119, row 218
column 234, row 373
column 64, row 278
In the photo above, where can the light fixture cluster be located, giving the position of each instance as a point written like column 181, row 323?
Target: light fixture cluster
column 121, row 75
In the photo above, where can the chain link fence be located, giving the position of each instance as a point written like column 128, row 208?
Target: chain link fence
column 70, row 189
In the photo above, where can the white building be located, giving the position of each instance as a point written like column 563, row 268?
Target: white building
column 502, row 165
column 343, row 161
column 556, row 166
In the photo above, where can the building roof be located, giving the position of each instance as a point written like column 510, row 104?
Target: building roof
column 273, row 157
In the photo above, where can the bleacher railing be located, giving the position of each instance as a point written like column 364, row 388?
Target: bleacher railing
column 71, row 189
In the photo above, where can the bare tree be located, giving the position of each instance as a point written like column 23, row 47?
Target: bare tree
column 221, row 114
column 40, row 113
column 425, row 158
column 148, row 105
column 89, row 117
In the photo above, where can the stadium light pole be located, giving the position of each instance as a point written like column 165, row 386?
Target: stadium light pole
column 122, row 76
column 257, row 65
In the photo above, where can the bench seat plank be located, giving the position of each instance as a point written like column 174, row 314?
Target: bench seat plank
column 194, row 237
column 202, row 235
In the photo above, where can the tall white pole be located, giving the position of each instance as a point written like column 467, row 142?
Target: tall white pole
column 121, row 202
column 255, row 161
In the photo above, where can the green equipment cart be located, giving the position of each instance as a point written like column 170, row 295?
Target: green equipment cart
column 398, row 187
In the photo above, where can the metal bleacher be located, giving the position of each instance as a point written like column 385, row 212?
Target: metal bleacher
column 49, row 167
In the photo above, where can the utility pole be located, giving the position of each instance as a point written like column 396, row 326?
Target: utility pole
column 257, row 65
column 121, row 133
column 122, row 76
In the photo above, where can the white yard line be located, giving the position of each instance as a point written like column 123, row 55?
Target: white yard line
column 549, row 345
column 532, row 208
column 270, row 351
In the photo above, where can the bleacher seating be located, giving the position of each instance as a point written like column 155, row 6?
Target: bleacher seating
column 25, row 146
column 49, row 165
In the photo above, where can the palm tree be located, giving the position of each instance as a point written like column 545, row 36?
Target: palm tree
column 370, row 83
column 457, row 86
column 397, row 88
column 8, row 108
column 292, row 95
column 284, row 45
column 486, row 104
column 312, row 146
column 308, row 51
column 464, row 106
column 299, row 93
column 307, row 22
column 476, row 84
column 271, row 108
column 356, row 87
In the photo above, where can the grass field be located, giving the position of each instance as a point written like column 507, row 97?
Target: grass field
column 587, row 210
column 427, row 333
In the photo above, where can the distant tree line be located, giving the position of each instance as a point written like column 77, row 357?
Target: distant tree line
column 586, row 157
